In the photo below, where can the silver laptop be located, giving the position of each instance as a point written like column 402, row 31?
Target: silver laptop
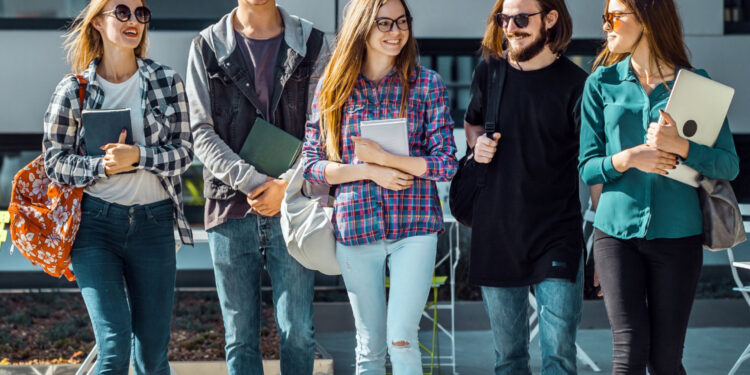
column 699, row 106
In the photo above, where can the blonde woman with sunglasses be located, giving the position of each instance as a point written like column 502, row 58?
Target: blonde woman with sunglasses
column 124, row 254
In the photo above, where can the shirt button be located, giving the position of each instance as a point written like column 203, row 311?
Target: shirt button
column 247, row 84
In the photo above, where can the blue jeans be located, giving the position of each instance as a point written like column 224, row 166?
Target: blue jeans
column 240, row 249
column 124, row 262
column 394, row 328
column 559, row 304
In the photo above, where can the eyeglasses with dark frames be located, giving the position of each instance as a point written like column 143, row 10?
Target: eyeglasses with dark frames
column 385, row 24
column 122, row 13
column 612, row 19
column 521, row 20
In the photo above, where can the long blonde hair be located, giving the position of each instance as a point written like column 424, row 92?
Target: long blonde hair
column 83, row 43
column 342, row 71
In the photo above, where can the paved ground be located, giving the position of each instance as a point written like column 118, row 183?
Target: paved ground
column 708, row 351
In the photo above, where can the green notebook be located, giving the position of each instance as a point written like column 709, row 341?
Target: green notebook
column 269, row 149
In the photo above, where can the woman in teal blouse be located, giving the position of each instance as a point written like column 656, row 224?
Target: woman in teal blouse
column 648, row 227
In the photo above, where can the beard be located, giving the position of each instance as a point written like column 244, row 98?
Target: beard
column 531, row 51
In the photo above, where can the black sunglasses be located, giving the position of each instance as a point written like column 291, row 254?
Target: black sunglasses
column 521, row 20
column 122, row 13
column 385, row 24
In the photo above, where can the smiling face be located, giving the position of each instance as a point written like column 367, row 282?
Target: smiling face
column 117, row 34
column 624, row 32
column 392, row 42
column 527, row 42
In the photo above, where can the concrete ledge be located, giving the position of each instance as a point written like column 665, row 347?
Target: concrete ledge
column 270, row 367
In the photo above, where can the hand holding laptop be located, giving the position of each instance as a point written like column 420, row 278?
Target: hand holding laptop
column 665, row 136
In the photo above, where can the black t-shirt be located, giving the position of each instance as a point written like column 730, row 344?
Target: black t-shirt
column 527, row 220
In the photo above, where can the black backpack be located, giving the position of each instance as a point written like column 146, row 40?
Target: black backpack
column 470, row 178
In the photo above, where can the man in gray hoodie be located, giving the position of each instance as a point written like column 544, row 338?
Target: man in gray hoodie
column 257, row 61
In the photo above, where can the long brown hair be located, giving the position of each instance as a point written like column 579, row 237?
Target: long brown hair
column 346, row 62
column 558, row 37
column 83, row 43
column 662, row 29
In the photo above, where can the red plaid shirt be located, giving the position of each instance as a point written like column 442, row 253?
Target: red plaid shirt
column 365, row 212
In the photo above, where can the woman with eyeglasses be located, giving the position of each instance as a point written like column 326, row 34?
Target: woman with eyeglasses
column 124, row 253
column 387, row 211
column 647, row 243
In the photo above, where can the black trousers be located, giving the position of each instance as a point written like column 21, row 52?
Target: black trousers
column 649, row 287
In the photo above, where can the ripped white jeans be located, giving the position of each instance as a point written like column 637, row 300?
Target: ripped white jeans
column 393, row 328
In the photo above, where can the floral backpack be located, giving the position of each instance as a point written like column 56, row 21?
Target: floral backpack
column 45, row 215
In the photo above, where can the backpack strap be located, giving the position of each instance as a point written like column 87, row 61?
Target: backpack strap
column 82, row 85
column 497, row 69
column 314, row 44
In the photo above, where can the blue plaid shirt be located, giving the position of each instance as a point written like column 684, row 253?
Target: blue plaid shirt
column 365, row 212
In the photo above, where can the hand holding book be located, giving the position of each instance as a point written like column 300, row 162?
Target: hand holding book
column 120, row 157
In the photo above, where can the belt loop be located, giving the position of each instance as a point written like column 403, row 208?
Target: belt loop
column 105, row 209
column 149, row 215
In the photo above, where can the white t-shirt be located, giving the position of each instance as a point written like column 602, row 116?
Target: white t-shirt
column 141, row 187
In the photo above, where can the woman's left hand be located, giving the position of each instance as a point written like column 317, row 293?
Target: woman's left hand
column 120, row 157
column 369, row 151
column 665, row 137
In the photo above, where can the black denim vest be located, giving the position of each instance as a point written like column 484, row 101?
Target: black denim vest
column 234, row 104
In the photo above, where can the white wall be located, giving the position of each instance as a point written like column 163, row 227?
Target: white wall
column 32, row 62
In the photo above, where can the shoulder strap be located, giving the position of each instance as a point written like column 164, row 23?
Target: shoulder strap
column 82, row 84
column 497, row 69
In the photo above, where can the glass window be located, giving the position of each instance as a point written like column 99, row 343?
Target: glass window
column 736, row 16
column 167, row 14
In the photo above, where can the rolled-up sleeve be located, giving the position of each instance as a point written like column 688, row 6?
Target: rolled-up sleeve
column 441, row 146
column 594, row 165
column 313, row 152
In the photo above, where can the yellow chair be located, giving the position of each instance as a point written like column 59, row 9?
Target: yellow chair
column 4, row 219
column 434, row 350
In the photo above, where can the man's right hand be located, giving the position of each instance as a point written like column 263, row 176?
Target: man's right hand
column 485, row 148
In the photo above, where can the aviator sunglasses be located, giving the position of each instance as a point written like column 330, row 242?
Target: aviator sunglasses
column 612, row 19
column 122, row 13
column 521, row 20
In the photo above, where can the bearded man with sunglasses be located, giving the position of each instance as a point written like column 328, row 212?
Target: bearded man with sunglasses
column 257, row 61
column 527, row 231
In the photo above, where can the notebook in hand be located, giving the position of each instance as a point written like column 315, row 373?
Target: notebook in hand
column 390, row 134
column 269, row 149
column 102, row 126
column 698, row 106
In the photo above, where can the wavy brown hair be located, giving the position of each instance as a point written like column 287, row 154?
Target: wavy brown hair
column 346, row 62
column 558, row 37
column 662, row 29
column 83, row 43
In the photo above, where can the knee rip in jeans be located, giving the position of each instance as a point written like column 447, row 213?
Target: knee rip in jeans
column 401, row 344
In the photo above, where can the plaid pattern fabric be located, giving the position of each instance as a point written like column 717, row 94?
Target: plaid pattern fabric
column 363, row 211
column 167, row 153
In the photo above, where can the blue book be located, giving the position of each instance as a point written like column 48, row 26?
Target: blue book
column 102, row 126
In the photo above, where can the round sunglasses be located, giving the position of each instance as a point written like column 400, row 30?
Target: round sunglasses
column 122, row 13
column 521, row 20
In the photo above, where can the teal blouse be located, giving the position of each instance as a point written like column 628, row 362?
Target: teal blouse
column 615, row 115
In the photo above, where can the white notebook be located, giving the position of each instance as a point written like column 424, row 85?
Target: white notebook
column 699, row 106
column 391, row 134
